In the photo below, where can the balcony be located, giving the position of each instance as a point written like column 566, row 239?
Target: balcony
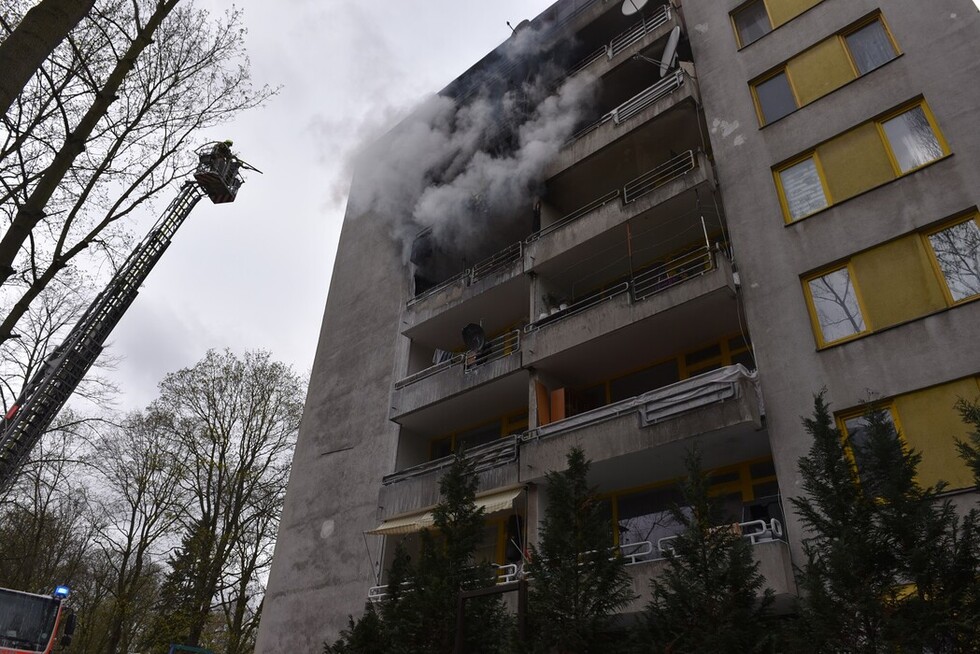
column 458, row 373
column 638, row 36
column 417, row 487
column 771, row 552
column 695, row 290
column 485, row 276
column 650, row 433
column 660, row 192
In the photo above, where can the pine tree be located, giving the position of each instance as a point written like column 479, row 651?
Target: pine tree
column 889, row 564
column 576, row 581
column 711, row 596
column 419, row 613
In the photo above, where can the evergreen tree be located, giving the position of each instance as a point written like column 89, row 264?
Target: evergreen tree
column 419, row 613
column 711, row 596
column 576, row 581
column 889, row 564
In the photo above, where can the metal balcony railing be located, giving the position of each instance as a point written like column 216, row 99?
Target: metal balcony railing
column 502, row 346
column 578, row 306
column 661, row 403
column 575, row 215
column 505, row 575
column 661, row 276
column 663, row 174
column 756, row 531
column 502, row 259
column 647, row 97
column 483, row 457
column 624, row 40
column 428, row 372
column 497, row 348
column 470, row 276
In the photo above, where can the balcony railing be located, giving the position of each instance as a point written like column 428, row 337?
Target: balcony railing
column 647, row 97
column 470, row 276
column 483, row 457
column 578, row 306
column 498, row 348
column 667, row 274
column 636, row 32
column 755, row 531
column 505, row 575
column 595, row 205
column 659, row 404
column 663, row 174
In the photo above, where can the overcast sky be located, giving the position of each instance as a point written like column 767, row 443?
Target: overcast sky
column 254, row 274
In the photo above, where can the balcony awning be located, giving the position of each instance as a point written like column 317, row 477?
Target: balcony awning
column 408, row 524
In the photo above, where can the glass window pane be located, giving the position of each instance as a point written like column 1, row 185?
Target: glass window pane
column 775, row 97
column 836, row 305
column 752, row 22
column 646, row 516
column 870, row 47
column 912, row 139
column 803, row 189
column 957, row 250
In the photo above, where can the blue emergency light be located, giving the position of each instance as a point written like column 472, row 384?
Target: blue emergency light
column 61, row 592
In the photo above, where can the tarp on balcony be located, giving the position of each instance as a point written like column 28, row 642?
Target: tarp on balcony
column 407, row 524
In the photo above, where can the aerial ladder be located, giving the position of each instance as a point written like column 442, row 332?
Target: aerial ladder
column 217, row 175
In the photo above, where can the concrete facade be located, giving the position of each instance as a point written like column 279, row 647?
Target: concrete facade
column 631, row 318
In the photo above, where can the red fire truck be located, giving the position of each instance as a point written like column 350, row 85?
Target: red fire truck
column 29, row 623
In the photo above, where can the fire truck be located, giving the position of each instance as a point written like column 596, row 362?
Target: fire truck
column 30, row 624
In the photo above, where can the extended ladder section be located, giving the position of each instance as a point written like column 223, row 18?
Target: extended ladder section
column 59, row 375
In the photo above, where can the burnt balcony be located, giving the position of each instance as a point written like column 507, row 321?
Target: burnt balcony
column 417, row 487
column 661, row 192
column 651, row 432
column 646, row 29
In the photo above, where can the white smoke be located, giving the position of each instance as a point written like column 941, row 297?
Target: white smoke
column 468, row 171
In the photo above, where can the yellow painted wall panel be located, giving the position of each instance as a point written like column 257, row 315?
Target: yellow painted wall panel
column 782, row 11
column 855, row 162
column 930, row 424
column 897, row 282
column 820, row 70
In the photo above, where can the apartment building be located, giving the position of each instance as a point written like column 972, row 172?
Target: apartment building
column 751, row 202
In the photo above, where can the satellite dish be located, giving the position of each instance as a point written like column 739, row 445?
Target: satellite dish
column 631, row 7
column 670, row 52
column 474, row 337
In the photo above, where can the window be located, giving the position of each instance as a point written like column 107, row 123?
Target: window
column 751, row 22
column 956, row 251
column 802, row 188
column 775, row 97
column 857, row 435
column 912, row 139
column 834, row 306
column 870, row 46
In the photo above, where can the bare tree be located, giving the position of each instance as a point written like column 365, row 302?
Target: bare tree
column 236, row 419
column 139, row 501
column 41, row 30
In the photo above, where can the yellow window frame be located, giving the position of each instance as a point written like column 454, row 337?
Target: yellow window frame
column 877, row 16
column 762, row 79
column 934, row 260
column 742, row 7
column 781, row 192
column 812, row 308
column 508, row 423
column 933, row 125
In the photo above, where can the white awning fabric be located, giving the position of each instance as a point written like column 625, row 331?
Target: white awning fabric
column 407, row 524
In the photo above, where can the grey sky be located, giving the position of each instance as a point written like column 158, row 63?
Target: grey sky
column 254, row 274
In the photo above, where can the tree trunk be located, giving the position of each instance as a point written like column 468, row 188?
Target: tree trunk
column 38, row 34
column 32, row 211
